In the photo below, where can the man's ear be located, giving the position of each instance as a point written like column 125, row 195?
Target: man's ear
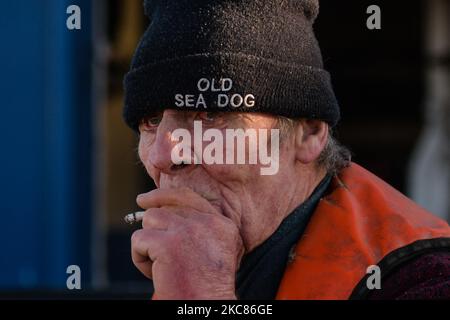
column 310, row 139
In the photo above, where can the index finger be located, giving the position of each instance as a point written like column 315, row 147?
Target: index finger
column 175, row 197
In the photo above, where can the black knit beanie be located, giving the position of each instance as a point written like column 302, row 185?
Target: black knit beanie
column 230, row 55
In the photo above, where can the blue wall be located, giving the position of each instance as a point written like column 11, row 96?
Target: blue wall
column 45, row 172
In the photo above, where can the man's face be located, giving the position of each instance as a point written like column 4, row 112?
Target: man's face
column 239, row 191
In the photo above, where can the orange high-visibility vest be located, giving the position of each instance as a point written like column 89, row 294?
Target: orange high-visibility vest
column 362, row 221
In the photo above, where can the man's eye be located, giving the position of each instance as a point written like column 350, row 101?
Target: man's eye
column 154, row 121
column 151, row 122
column 209, row 116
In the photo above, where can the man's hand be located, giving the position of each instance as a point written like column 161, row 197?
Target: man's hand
column 188, row 248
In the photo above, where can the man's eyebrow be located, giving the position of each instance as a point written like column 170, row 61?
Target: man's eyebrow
column 153, row 114
column 246, row 116
column 240, row 118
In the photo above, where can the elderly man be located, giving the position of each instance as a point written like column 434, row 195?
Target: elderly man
column 219, row 228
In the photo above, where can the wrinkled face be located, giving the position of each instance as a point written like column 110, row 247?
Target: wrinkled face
column 256, row 203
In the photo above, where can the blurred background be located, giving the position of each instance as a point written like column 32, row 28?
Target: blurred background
column 69, row 170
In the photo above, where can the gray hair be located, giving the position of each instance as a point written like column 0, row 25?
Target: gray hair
column 333, row 158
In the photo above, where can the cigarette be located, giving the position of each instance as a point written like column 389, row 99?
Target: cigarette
column 134, row 217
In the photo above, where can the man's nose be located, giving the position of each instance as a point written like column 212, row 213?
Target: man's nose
column 160, row 153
